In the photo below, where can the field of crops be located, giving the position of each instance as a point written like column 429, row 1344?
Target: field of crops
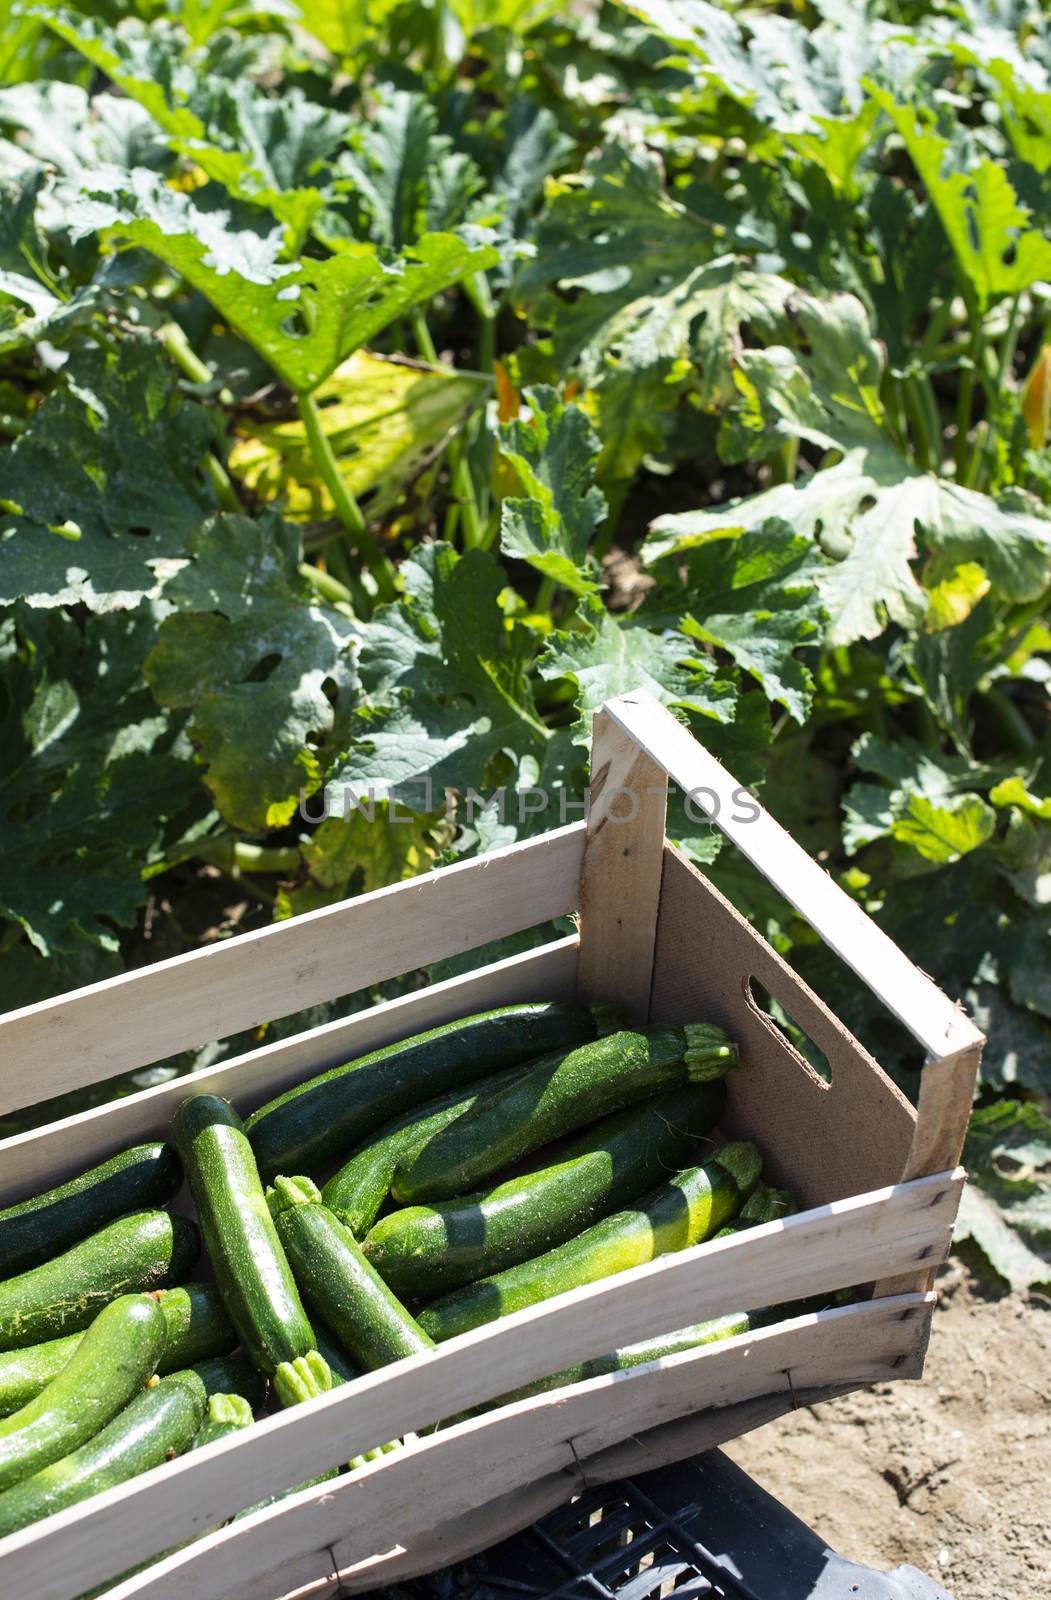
column 385, row 385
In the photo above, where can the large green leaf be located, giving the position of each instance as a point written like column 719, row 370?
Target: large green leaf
column 304, row 319
column 551, row 523
column 442, row 693
column 106, row 484
column 35, row 303
column 997, row 248
column 640, row 297
column 385, row 420
column 89, row 785
column 1006, row 1207
column 610, row 656
column 407, row 174
column 262, row 665
column 789, row 76
column 264, row 150
column 867, row 508
column 755, row 597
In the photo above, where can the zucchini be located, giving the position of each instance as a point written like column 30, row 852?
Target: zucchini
column 254, row 1277
column 633, row 1355
column 424, row 1251
column 358, row 1189
column 144, row 1251
column 116, row 1357
column 159, row 1423
column 226, row 1414
column 232, row 1375
column 559, row 1093
column 33, row 1231
column 681, row 1213
column 326, row 1116
column 197, row 1326
column 367, row 1319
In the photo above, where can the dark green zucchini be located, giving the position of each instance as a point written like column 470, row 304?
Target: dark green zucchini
column 328, row 1115
column 233, row 1375
column 35, row 1230
column 158, row 1424
column 197, row 1327
column 116, row 1357
column 424, row 1251
column 560, row 1092
column 681, row 1213
column 226, row 1414
column 364, row 1315
column 358, row 1189
column 147, row 1250
column 253, row 1275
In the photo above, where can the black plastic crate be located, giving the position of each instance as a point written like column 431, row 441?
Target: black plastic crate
column 697, row 1529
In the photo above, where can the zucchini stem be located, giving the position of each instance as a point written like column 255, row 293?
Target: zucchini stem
column 347, row 509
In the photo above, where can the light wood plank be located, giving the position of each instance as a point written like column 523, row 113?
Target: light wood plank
column 143, row 1016
column 446, row 1478
column 463, row 1537
column 940, row 1026
column 943, row 1114
column 852, row 1241
column 44, row 1156
column 621, row 879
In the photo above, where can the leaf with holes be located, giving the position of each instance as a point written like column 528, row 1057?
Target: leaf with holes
column 303, row 318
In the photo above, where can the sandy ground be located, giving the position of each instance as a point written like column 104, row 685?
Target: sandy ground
column 952, row 1474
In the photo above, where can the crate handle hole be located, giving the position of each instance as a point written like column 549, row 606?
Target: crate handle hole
column 799, row 1041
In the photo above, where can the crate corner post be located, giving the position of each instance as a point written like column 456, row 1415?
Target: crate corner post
column 620, row 880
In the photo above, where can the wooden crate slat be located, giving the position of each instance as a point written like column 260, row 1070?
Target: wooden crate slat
column 358, row 1517
column 44, row 1156
column 144, row 1016
column 852, row 1241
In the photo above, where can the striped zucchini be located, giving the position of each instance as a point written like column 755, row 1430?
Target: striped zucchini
column 679, row 1214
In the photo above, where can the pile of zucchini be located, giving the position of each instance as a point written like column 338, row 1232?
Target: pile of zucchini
column 469, row 1171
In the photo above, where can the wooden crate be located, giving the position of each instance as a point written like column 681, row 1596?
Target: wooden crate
column 878, row 1180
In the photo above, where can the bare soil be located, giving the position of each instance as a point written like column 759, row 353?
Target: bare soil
column 951, row 1474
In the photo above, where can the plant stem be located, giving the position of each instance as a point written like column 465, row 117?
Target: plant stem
column 986, row 440
column 326, row 585
column 225, row 492
column 422, row 334
column 545, row 595
column 463, row 488
column 347, row 508
column 966, row 394
column 480, row 295
column 237, row 855
column 184, row 355
column 925, row 448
